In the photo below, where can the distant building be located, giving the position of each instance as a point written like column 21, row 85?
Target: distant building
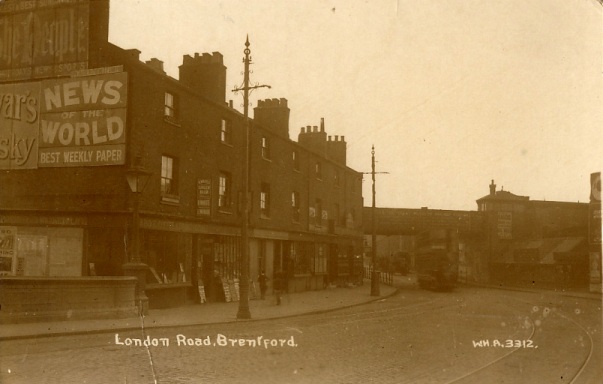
column 531, row 242
column 510, row 239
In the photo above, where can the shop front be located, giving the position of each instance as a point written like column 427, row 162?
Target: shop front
column 44, row 274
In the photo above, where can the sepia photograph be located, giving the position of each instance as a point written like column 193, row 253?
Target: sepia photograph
column 319, row 191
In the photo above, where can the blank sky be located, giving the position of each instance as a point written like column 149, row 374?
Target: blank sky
column 452, row 93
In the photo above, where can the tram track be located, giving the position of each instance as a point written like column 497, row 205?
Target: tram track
column 582, row 365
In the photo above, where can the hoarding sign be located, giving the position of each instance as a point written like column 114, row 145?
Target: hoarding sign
column 505, row 225
column 8, row 250
column 43, row 38
column 595, row 187
column 82, row 121
column 19, row 121
column 594, row 209
column 64, row 123
column 594, row 223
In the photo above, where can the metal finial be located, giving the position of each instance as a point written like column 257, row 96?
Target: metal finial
column 247, row 42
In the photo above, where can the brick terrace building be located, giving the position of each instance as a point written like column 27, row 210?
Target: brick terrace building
column 66, row 208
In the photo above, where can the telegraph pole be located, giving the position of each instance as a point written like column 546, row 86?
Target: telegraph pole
column 243, row 312
column 375, row 275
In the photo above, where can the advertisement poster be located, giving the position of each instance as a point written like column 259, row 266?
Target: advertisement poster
column 8, row 250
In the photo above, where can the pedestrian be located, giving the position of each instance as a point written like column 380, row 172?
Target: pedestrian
column 278, row 286
column 262, row 280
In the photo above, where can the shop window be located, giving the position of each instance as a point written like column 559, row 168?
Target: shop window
column 300, row 255
column 295, row 206
column 224, row 190
column 40, row 251
column 265, row 200
column 169, row 176
column 227, row 251
column 320, row 260
column 226, row 132
column 165, row 254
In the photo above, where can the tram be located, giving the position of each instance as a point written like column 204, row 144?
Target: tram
column 437, row 269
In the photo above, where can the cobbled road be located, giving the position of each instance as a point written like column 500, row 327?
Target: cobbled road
column 470, row 335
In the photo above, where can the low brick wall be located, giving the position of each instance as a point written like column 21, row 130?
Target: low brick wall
column 167, row 295
column 31, row 299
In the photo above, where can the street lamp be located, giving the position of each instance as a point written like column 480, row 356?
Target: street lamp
column 243, row 312
column 137, row 178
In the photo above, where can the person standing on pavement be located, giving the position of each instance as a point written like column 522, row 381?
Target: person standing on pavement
column 278, row 286
column 262, row 280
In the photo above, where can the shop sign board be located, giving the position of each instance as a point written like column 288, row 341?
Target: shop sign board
column 64, row 123
column 43, row 38
column 203, row 197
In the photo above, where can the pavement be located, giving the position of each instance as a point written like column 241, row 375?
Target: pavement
column 293, row 304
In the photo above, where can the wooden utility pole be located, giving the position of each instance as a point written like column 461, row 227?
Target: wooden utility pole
column 375, row 291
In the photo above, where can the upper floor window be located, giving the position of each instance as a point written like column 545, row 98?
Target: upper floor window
column 171, row 106
column 265, row 200
column 295, row 206
column 337, row 178
column 295, row 157
column 169, row 175
column 337, row 213
column 265, row 147
column 318, row 214
column 224, row 190
column 226, row 132
column 318, row 170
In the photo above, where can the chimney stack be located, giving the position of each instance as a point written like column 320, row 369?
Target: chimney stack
column 205, row 74
column 154, row 63
column 273, row 114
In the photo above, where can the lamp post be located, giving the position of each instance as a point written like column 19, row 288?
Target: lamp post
column 137, row 178
column 243, row 312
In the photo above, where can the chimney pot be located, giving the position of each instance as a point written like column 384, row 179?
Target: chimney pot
column 492, row 188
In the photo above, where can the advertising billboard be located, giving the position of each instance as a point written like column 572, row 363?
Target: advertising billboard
column 43, row 38
column 19, row 121
column 82, row 121
column 504, row 226
column 69, row 122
